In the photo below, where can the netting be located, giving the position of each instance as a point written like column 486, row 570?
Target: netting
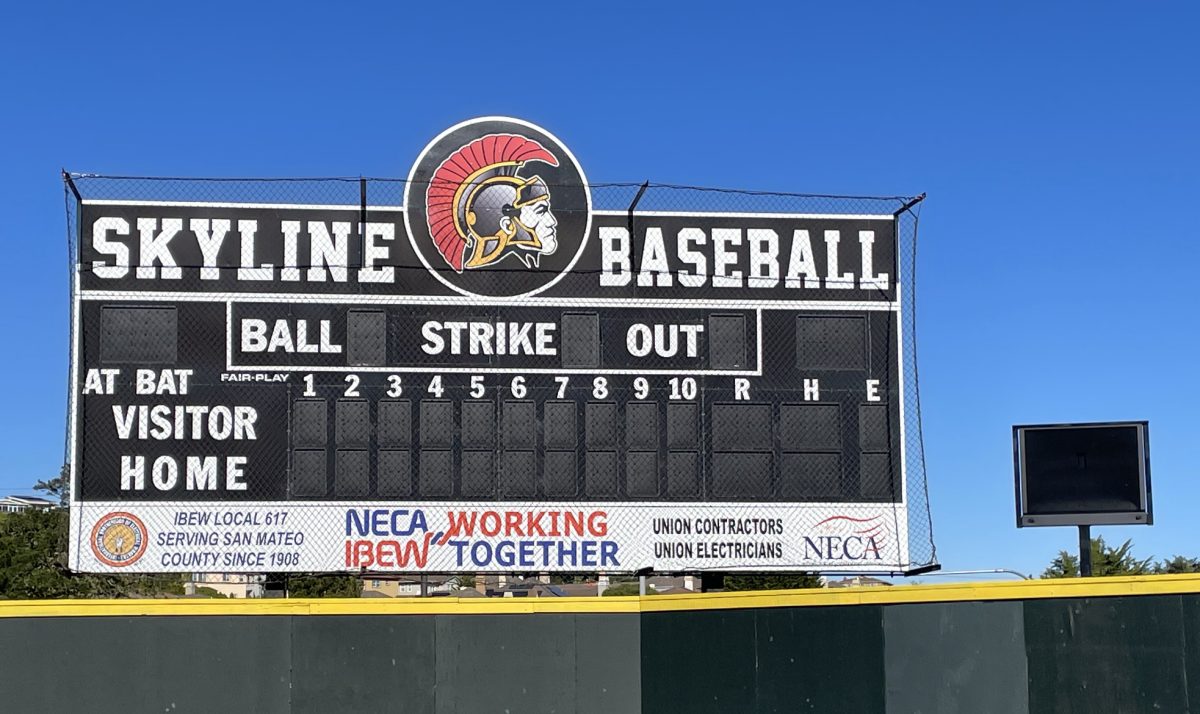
column 772, row 425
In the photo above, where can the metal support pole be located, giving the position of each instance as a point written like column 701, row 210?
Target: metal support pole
column 632, row 207
column 424, row 586
column 712, row 582
column 1085, row 551
column 70, row 182
column 642, row 585
column 362, row 221
column 909, row 204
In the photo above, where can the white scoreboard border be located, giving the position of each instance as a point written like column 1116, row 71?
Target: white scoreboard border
column 79, row 295
column 231, row 367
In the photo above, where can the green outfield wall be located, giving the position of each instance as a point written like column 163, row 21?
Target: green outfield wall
column 1122, row 645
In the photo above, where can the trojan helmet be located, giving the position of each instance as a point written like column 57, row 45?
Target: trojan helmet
column 474, row 189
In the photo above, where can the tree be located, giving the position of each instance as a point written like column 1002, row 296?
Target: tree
column 798, row 581
column 627, row 589
column 1177, row 564
column 33, row 563
column 1106, row 560
column 463, row 581
column 324, row 586
column 32, row 557
column 59, row 488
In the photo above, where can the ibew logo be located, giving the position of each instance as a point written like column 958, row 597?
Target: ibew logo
column 847, row 538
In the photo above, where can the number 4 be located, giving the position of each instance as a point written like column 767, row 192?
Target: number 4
column 435, row 386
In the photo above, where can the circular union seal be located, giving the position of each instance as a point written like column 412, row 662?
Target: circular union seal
column 119, row 539
column 497, row 207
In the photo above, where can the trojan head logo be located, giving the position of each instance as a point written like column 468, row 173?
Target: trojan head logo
column 497, row 207
column 480, row 210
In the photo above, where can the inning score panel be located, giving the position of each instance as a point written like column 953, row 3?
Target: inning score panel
column 307, row 400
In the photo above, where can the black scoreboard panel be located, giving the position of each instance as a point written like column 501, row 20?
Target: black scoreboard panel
column 278, row 353
column 743, row 404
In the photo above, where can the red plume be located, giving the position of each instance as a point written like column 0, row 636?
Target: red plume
column 439, row 199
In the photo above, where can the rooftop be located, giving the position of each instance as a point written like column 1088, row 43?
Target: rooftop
column 27, row 502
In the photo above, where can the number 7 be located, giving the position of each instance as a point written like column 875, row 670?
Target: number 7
column 562, row 386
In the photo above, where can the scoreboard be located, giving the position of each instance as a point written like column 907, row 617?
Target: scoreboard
column 493, row 376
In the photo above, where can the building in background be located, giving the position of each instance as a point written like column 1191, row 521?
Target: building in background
column 406, row 585
column 487, row 585
column 535, row 587
column 858, row 581
column 231, row 585
column 16, row 504
column 673, row 585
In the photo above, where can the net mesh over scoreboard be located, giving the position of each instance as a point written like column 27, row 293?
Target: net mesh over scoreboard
column 781, row 404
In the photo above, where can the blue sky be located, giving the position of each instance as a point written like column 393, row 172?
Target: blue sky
column 1058, row 143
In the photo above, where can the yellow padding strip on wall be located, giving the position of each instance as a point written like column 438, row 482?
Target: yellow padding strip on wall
column 902, row 594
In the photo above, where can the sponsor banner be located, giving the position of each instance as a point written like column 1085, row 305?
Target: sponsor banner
column 490, row 537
